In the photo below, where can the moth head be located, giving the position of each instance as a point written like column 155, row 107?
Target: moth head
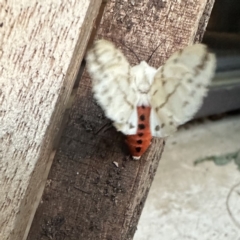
column 143, row 75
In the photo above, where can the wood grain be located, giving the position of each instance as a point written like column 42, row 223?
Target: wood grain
column 39, row 40
column 95, row 191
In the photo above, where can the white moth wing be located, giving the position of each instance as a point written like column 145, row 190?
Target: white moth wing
column 113, row 85
column 179, row 87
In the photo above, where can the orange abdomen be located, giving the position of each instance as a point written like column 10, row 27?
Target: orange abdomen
column 139, row 142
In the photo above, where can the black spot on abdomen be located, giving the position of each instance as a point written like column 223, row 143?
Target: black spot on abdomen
column 142, row 117
column 138, row 149
column 139, row 141
column 141, row 126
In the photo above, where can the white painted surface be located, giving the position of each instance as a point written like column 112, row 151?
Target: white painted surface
column 188, row 202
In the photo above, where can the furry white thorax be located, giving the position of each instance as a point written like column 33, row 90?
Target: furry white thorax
column 143, row 76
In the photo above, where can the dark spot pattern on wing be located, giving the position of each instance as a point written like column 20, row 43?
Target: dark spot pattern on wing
column 202, row 64
column 131, row 126
column 167, row 98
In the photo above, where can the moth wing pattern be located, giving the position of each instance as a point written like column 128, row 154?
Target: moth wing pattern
column 113, row 85
column 179, row 87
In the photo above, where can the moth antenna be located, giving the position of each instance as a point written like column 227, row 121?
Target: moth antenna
column 136, row 56
column 149, row 58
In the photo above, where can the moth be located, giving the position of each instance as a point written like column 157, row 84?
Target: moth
column 143, row 101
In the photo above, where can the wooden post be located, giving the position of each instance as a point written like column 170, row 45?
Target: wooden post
column 94, row 190
column 39, row 40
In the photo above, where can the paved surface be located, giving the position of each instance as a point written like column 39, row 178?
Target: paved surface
column 202, row 202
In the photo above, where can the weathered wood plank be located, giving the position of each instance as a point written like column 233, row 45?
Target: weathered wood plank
column 204, row 20
column 88, row 196
column 38, row 41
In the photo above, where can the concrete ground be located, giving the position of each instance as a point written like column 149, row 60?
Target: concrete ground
column 201, row 202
